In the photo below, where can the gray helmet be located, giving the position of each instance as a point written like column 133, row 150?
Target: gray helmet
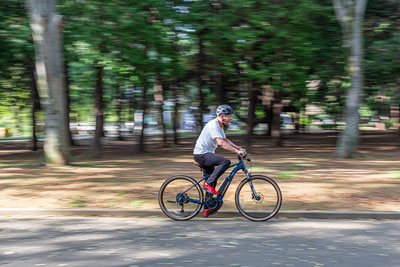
column 224, row 109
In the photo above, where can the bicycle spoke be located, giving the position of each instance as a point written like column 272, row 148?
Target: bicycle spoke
column 258, row 200
column 179, row 198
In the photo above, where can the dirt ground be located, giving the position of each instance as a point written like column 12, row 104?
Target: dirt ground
column 310, row 177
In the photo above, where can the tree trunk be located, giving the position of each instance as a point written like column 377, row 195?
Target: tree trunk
column 201, row 108
column 119, row 112
column 165, row 88
column 99, row 113
column 34, row 101
column 176, row 110
column 219, row 89
column 159, row 98
column 46, row 26
column 251, row 114
column 276, row 133
column 270, row 115
column 100, row 100
column 297, row 123
column 68, row 104
column 144, row 107
column 34, row 138
column 352, row 22
column 200, row 81
column 131, row 109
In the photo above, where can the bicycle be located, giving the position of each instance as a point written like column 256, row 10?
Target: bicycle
column 257, row 197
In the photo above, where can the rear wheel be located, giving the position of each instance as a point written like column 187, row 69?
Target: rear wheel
column 258, row 199
column 180, row 198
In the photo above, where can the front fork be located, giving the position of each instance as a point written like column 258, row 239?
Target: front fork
column 255, row 196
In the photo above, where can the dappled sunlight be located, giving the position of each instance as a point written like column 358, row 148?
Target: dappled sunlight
column 158, row 241
column 309, row 180
column 339, row 173
column 332, row 195
column 11, row 175
column 152, row 253
column 382, row 162
column 292, row 226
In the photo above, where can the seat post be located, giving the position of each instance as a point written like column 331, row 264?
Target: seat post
column 204, row 172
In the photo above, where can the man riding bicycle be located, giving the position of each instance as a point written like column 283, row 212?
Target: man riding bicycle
column 210, row 138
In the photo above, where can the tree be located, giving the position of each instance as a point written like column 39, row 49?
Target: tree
column 35, row 101
column 382, row 57
column 269, row 46
column 17, row 71
column 350, row 14
column 46, row 26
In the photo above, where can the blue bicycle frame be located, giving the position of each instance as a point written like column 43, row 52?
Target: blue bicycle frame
column 225, row 184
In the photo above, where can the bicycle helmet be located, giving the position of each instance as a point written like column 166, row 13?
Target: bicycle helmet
column 224, row 109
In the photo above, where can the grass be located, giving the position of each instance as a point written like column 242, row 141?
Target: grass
column 78, row 202
column 392, row 174
column 87, row 164
column 318, row 155
column 136, row 203
column 259, row 168
column 19, row 164
column 20, row 137
column 286, row 175
column 296, row 168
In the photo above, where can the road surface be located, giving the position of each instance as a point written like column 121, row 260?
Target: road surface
column 74, row 241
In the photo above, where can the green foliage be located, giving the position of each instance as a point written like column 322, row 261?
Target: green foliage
column 382, row 55
column 305, row 121
column 282, row 45
column 16, row 50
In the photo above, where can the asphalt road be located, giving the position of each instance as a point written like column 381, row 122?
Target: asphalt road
column 66, row 241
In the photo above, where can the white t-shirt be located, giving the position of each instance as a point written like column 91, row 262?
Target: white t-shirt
column 206, row 142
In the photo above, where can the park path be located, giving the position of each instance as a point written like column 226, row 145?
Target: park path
column 75, row 241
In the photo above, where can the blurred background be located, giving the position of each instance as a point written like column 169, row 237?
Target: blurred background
column 132, row 68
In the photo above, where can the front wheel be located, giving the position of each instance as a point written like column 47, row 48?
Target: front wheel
column 180, row 198
column 258, row 198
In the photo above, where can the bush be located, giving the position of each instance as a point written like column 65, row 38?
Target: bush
column 328, row 126
column 389, row 124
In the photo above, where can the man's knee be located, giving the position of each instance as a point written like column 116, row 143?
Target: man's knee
column 227, row 163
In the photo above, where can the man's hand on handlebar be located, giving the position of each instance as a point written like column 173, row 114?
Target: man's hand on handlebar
column 241, row 152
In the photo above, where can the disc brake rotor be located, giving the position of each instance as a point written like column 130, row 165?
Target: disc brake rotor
column 260, row 198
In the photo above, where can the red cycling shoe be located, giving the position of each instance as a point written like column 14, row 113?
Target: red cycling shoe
column 209, row 188
column 208, row 212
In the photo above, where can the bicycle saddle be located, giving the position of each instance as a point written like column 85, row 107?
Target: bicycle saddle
column 198, row 164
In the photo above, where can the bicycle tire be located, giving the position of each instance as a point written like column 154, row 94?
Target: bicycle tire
column 272, row 191
column 166, row 199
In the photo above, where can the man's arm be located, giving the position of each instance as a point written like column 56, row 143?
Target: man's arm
column 232, row 144
column 228, row 145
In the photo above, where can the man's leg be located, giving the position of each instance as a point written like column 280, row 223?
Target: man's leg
column 209, row 171
column 222, row 164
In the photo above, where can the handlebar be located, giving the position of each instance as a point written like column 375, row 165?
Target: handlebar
column 244, row 157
